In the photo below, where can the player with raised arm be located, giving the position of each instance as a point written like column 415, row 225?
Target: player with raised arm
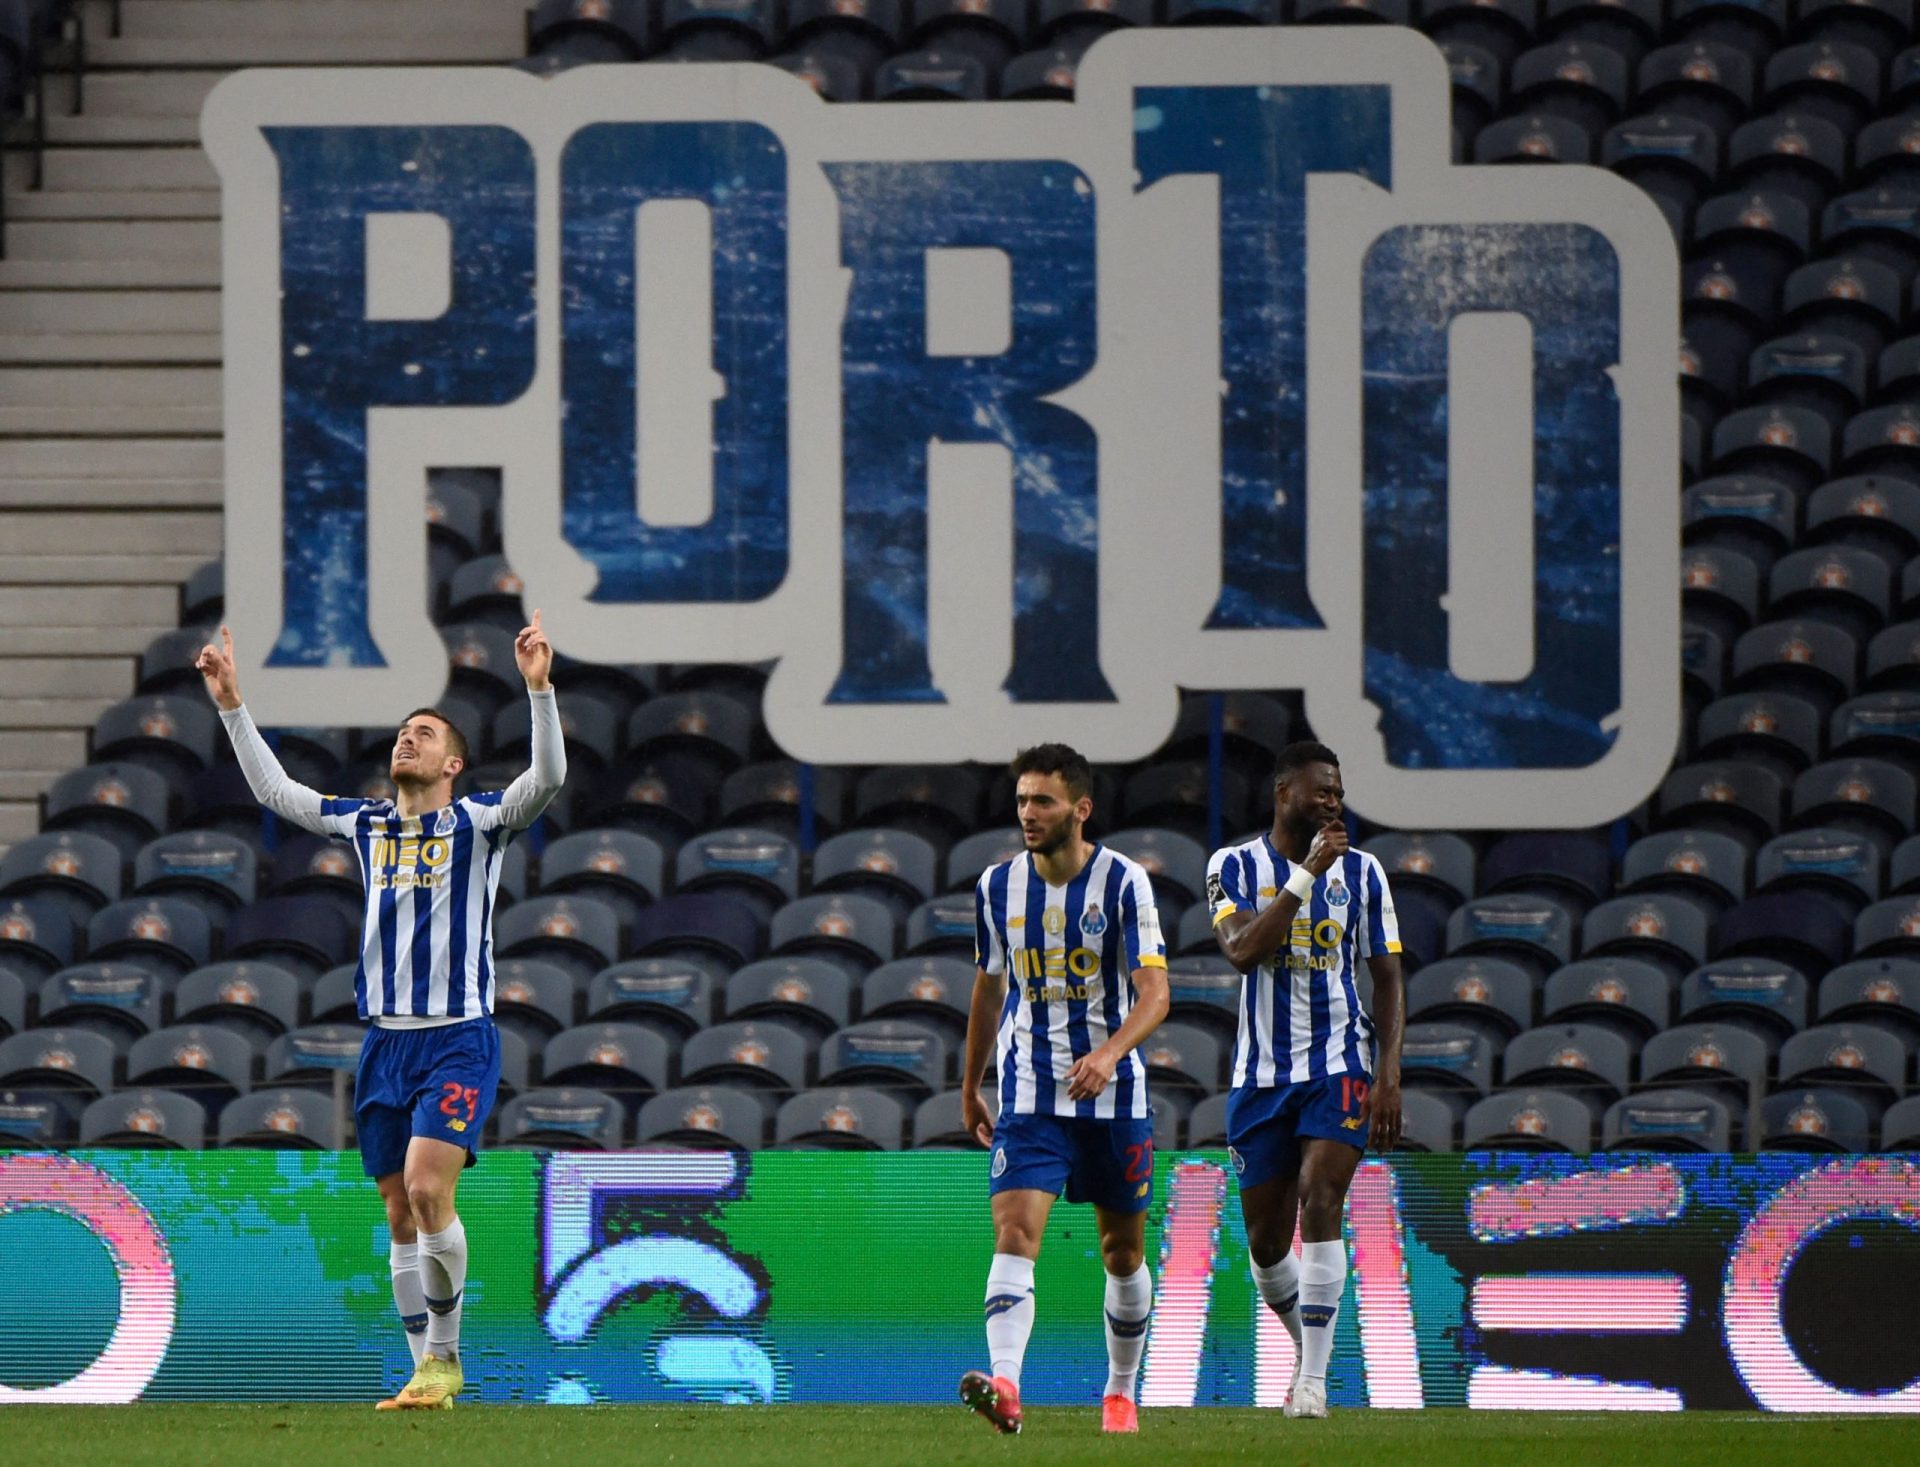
column 1072, row 976
column 1295, row 911
column 431, row 1061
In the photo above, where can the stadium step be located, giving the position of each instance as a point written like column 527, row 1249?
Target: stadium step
column 18, row 821
column 27, row 535
column 109, row 274
column 33, row 751
column 98, row 129
column 184, row 203
column 75, row 170
column 420, row 27
column 28, row 678
column 147, row 348
column 142, row 493
column 144, row 93
column 109, row 400
column 453, row 43
column 101, row 239
column 67, row 608
column 111, row 312
column 62, row 713
column 125, row 458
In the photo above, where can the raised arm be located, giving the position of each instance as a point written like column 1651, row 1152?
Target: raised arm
column 1247, row 940
column 534, row 790
column 268, row 781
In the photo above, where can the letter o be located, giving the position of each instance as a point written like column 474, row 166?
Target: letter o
column 1327, row 932
column 114, row 1215
column 435, row 851
column 1084, row 961
column 1773, row 1238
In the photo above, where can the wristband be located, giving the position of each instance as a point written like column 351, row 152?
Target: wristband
column 1300, row 883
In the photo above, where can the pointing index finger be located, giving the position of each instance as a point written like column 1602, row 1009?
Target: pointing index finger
column 536, row 618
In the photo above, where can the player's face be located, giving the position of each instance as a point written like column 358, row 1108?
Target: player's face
column 420, row 754
column 1311, row 797
column 1049, row 815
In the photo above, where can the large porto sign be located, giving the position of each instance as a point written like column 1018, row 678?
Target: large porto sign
column 989, row 423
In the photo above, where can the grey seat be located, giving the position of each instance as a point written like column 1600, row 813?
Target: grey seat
column 1727, row 1060
column 286, row 1119
column 675, row 994
column 163, row 933
column 1204, row 990
column 1626, row 995
column 936, row 991
column 1175, row 863
column 1863, row 1059
column 209, row 1061
column 1533, row 931
column 259, row 997
column 943, row 925
column 1756, row 993
column 1883, row 991
column 813, row 993
column 579, row 933
column 939, row 1125
column 218, row 870
column 78, row 871
column 1900, row 1126
column 1529, row 1120
column 1426, row 1122
column 893, row 866
column 533, row 998
column 903, row 1056
column 1437, row 861
column 1814, row 1120
column 69, row 1060
column 855, row 931
column 1668, row 1120
column 621, row 1059
column 1207, row 1122
column 119, row 1000
column 1581, row 1057
column 145, row 1120
column 980, row 851
column 1448, row 1058
column 1841, row 864
column 1183, row 1057
column 847, row 1119
column 313, row 1054
column 1702, row 864
column 762, row 1054
column 564, row 1118
column 704, row 1117
column 1669, row 931
column 1488, row 994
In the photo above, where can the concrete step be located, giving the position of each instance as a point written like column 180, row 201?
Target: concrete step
column 111, row 387
column 417, row 20
column 183, row 203
column 128, row 458
column 118, row 570
column 103, row 239
column 112, row 494
column 110, row 312
column 26, row 784
column 164, row 274
column 27, row 534
column 143, row 93
column 83, row 641
column 91, row 129
column 445, row 45
column 70, row 608
column 132, row 418
column 18, row 822
column 65, row 677
column 20, row 751
column 86, row 170
column 156, row 348
column 57, row 713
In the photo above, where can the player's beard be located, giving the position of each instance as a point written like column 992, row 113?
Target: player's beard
column 1054, row 839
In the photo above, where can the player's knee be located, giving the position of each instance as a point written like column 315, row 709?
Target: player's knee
column 1016, row 1238
column 432, row 1206
column 1121, row 1257
column 1267, row 1242
column 1320, row 1211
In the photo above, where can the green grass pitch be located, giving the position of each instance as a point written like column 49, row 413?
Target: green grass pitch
column 845, row 1436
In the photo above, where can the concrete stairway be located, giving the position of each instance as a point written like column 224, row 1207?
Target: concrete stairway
column 110, row 463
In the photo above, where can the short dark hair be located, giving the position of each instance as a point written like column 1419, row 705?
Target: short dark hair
column 456, row 741
column 1061, row 759
column 1298, row 755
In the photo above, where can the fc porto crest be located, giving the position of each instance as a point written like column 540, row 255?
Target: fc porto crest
column 1093, row 921
column 444, row 826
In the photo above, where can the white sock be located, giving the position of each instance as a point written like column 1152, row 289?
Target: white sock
column 1323, row 1279
column 408, row 1299
column 1279, row 1285
column 1129, row 1306
column 443, row 1279
column 1009, row 1313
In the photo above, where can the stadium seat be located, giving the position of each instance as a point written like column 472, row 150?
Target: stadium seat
column 1631, row 27
column 1581, row 1057
column 1853, row 298
column 1881, row 726
column 707, row 730
column 1728, row 1059
column 625, row 870
column 13, row 1003
column 318, row 869
column 718, row 30
column 1703, row 670
column 1879, row 26
column 1814, row 660
column 1749, row 29
column 1447, row 1058
column 700, row 926
column 1893, row 659
column 1478, row 91
column 1701, row 78
column 173, row 736
column 1174, row 796
column 1749, row 513
column 1733, row 798
column 1882, row 991
column 314, row 757
column 1488, row 995
column 848, row 1119
column 77, row 872
column 314, row 1055
column 939, row 1124
column 1720, row 589
column 1789, row 154
column 891, row 1053
column 563, row 1119
column 1865, row 1060
column 892, row 866
column 1528, row 1120
column 1533, row 137
column 674, row 995
column 628, row 1060
column 162, row 933
column 1185, row 1058
column 813, row 994
column 1833, row 80
column 853, row 930
column 1777, row 730
column 167, row 665
column 1668, row 1120
column 1877, row 224
column 1840, row 865
column 36, row 936
column 1176, row 864
column 208, row 1061
column 1814, row 1120
column 533, row 998
column 1882, row 440
column 1850, row 588
column 622, row 687
column 1626, row 995
column 1803, row 931
column 705, row 1118
column 939, row 804
column 931, row 76
column 145, row 1120
column 1707, row 868
column 1437, row 861
column 1673, row 157
column 759, row 1054
column 944, row 926
column 1900, row 1126
column 285, row 1119
column 218, row 872
column 758, row 869
column 589, row 729
column 125, row 804
column 482, row 676
column 60, row 1059
column 1870, row 798
column 1826, row 375
column 578, row 933
column 1203, row 991
column 933, row 991
column 768, row 795
column 486, row 590
column 1568, row 866
column 1533, row 931
column 302, row 934
column 1670, row 932
column 1426, row 1123
column 1582, row 81
column 38, row 1120
column 121, row 1001
column 1905, row 874
column 259, row 998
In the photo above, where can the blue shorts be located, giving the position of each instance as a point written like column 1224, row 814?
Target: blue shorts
column 436, row 1082
column 1265, row 1125
column 1107, row 1163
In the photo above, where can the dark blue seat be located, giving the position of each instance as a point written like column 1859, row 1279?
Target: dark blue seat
column 317, row 868
column 699, row 924
column 1801, row 930
column 302, row 934
column 1570, row 866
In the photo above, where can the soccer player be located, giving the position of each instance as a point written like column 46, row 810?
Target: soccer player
column 1072, row 977
column 1296, row 911
column 431, row 1061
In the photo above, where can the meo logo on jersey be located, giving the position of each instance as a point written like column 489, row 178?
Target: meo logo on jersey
column 1312, row 250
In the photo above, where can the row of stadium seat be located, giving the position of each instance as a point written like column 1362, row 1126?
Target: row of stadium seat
column 862, row 1118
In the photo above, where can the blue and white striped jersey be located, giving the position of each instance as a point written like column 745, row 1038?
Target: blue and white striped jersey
column 1069, row 954
column 1300, row 1013
column 426, row 941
